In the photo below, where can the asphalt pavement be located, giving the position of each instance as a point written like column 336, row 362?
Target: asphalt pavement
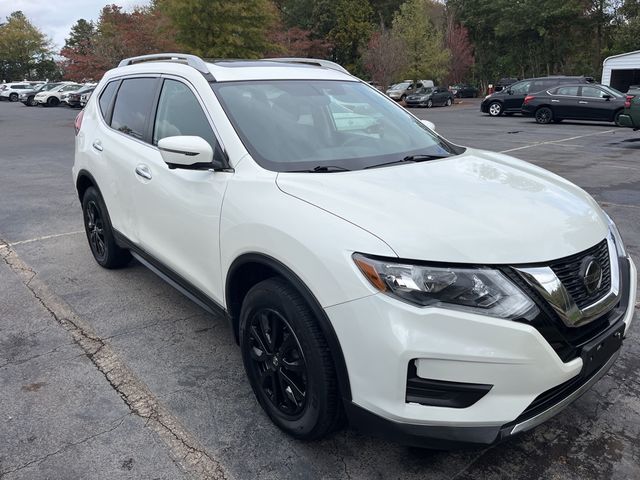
column 114, row 374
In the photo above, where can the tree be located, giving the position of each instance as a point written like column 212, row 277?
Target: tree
column 296, row 42
column 350, row 31
column 22, row 48
column 461, row 50
column 222, row 29
column 384, row 58
column 426, row 54
column 116, row 35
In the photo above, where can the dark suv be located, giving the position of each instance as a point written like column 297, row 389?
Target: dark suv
column 510, row 100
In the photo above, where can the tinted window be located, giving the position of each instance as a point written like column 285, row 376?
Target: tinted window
column 133, row 106
column 592, row 92
column 180, row 113
column 520, row 88
column 571, row 91
column 106, row 97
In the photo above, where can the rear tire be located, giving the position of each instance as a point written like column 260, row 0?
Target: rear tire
column 495, row 109
column 97, row 225
column 13, row 97
column 288, row 361
column 616, row 118
column 544, row 115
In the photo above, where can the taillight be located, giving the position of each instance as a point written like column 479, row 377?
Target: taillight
column 528, row 98
column 78, row 123
column 627, row 102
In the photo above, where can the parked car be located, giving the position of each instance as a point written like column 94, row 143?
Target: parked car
column 436, row 293
column 52, row 98
column 399, row 91
column 633, row 90
column 429, row 97
column 27, row 97
column 509, row 100
column 631, row 115
column 73, row 99
column 11, row 91
column 575, row 102
column 504, row 83
column 464, row 91
column 84, row 98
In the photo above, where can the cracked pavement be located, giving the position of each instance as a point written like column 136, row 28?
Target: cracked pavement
column 113, row 374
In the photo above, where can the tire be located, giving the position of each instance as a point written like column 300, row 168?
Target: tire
column 31, row 101
column 429, row 103
column 13, row 97
column 449, row 102
column 495, row 109
column 97, row 225
column 53, row 102
column 616, row 118
column 403, row 98
column 291, row 371
column 544, row 115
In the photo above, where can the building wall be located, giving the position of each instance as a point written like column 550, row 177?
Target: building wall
column 629, row 62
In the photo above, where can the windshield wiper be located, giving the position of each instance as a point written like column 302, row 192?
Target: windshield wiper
column 410, row 158
column 325, row 169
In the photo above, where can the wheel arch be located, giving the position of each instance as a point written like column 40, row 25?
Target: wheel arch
column 251, row 268
column 83, row 182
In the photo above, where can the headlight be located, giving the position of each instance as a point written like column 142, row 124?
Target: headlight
column 617, row 239
column 484, row 291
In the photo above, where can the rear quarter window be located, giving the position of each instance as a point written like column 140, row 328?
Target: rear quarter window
column 106, row 97
column 132, row 108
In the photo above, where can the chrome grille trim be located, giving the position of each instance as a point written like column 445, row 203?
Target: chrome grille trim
column 544, row 280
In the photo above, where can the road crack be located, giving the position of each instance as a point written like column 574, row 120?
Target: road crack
column 182, row 445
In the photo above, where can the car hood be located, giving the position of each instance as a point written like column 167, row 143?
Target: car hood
column 478, row 207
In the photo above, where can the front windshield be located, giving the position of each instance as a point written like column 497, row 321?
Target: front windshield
column 300, row 125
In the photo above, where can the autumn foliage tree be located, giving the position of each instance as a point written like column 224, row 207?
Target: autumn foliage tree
column 384, row 58
column 91, row 51
column 461, row 50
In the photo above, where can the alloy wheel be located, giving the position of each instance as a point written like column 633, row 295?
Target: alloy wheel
column 95, row 229
column 495, row 109
column 278, row 362
column 544, row 115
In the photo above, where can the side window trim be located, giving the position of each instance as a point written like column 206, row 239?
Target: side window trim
column 207, row 114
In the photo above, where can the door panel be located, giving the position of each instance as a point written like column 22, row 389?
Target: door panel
column 565, row 102
column 179, row 209
column 594, row 106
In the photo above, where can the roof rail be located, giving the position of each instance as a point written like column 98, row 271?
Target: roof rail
column 310, row 61
column 192, row 60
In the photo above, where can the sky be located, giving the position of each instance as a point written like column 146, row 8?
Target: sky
column 55, row 17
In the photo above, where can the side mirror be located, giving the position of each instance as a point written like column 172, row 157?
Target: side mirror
column 429, row 125
column 607, row 97
column 186, row 152
column 509, row 91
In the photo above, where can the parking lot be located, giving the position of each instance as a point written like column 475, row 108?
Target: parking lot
column 114, row 374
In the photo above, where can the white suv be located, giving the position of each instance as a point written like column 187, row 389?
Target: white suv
column 435, row 293
column 11, row 91
column 53, row 97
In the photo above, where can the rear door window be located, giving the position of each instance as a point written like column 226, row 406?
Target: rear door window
column 133, row 106
column 568, row 91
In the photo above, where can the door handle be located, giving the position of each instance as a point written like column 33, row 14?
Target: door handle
column 583, row 102
column 143, row 171
column 97, row 145
column 555, row 101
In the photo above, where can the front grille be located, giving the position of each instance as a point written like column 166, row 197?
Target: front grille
column 568, row 272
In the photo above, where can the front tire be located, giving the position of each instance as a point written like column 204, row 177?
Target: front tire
column 495, row 109
column 288, row 362
column 53, row 102
column 544, row 115
column 449, row 102
column 31, row 101
column 97, row 225
column 429, row 103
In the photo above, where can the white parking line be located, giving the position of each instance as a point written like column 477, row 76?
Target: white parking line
column 537, row 144
column 37, row 239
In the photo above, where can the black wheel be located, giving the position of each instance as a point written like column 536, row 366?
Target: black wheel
column 403, row 98
column 544, row 115
column 31, row 101
column 495, row 109
column 449, row 102
column 288, row 362
column 97, row 225
column 616, row 118
column 429, row 103
column 53, row 102
column 13, row 97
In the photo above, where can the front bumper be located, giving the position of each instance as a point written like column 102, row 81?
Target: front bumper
column 380, row 336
